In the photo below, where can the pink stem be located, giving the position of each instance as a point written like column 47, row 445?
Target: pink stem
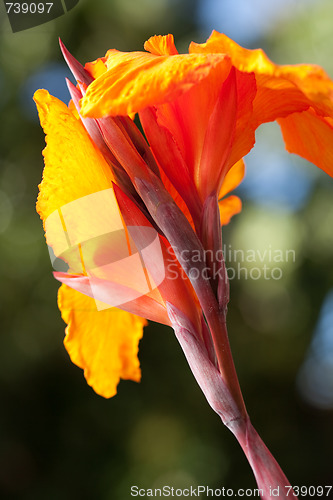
column 270, row 478
column 271, row 481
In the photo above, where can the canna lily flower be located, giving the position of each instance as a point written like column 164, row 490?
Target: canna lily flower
column 67, row 131
column 119, row 206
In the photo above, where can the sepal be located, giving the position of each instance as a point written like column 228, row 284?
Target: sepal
column 205, row 372
column 79, row 72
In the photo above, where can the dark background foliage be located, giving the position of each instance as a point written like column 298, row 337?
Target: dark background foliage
column 58, row 439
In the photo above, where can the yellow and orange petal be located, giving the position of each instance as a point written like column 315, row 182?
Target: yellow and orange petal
column 282, row 89
column 161, row 45
column 103, row 343
column 135, row 80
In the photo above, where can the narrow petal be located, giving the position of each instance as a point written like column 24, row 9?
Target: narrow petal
column 102, row 292
column 176, row 197
column 219, row 138
column 211, row 238
column 136, row 80
column 169, row 157
column 79, row 72
column 310, row 136
column 161, row 45
column 229, row 206
column 244, row 137
column 103, row 343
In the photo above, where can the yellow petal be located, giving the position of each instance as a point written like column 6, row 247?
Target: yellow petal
column 73, row 165
column 103, row 343
column 135, row 80
column 161, row 45
column 228, row 207
column 233, row 178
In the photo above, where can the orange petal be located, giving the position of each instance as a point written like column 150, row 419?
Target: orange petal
column 228, row 207
column 219, row 137
column 233, row 178
column 73, row 166
column 186, row 118
column 311, row 137
column 244, row 137
column 161, row 45
column 281, row 89
column 96, row 68
column 135, row 80
column 103, row 343
column 244, row 59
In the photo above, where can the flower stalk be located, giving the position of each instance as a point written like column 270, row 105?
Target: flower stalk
column 220, row 396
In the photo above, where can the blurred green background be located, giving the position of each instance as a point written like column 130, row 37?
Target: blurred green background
column 58, row 439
